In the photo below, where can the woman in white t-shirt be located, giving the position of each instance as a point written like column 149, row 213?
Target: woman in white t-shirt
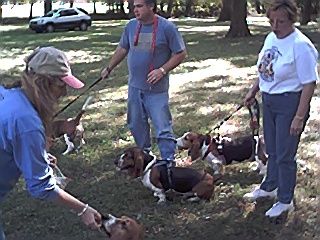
column 287, row 69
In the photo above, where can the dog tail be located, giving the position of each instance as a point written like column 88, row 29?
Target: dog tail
column 86, row 103
column 83, row 109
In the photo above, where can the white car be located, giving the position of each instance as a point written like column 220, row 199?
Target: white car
column 62, row 18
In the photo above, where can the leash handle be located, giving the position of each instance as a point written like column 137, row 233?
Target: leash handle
column 76, row 98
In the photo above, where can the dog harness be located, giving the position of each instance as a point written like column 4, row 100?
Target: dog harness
column 254, row 112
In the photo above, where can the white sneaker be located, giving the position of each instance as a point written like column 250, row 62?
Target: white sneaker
column 278, row 208
column 259, row 193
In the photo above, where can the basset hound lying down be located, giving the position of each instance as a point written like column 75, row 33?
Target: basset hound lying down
column 71, row 129
column 194, row 185
column 223, row 151
column 123, row 228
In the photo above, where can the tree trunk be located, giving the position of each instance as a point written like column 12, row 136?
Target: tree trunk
column 122, row 8
column 226, row 11
column 1, row 2
column 71, row 3
column 170, row 7
column 239, row 26
column 131, row 7
column 47, row 6
column 161, row 6
column 31, row 7
column 306, row 12
column 188, row 11
column 94, row 7
column 258, row 6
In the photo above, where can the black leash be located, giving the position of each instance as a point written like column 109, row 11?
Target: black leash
column 226, row 119
column 254, row 111
column 76, row 98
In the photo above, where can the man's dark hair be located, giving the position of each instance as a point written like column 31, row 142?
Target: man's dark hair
column 152, row 2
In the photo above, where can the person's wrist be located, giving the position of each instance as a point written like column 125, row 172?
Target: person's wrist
column 164, row 72
column 109, row 69
column 298, row 117
column 85, row 208
column 253, row 91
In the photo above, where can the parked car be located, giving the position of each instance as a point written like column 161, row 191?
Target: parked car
column 62, row 18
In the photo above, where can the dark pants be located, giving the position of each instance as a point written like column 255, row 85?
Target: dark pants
column 278, row 113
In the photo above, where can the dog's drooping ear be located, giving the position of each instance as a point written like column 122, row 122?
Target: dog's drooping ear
column 138, row 163
column 123, row 228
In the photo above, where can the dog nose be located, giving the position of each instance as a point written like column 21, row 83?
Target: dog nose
column 116, row 161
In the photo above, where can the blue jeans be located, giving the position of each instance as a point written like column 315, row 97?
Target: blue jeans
column 278, row 113
column 143, row 105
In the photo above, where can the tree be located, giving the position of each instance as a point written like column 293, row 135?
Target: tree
column 306, row 12
column 188, row 10
column 31, row 8
column 94, row 7
column 71, row 3
column 239, row 26
column 47, row 6
column 226, row 11
column 122, row 7
column 1, row 3
column 170, row 7
column 259, row 7
column 131, row 8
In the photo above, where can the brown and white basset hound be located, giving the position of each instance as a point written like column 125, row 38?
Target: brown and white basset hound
column 194, row 185
column 71, row 129
column 123, row 228
column 224, row 150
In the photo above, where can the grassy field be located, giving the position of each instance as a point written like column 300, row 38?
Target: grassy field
column 204, row 89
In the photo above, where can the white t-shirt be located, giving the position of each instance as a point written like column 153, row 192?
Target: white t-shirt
column 285, row 65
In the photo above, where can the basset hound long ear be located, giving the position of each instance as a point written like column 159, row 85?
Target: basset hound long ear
column 194, row 151
column 207, row 139
column 138, row 158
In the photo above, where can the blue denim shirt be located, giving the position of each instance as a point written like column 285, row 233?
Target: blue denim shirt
column 22, row 147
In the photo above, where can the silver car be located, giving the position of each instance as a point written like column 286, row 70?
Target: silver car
column 62, row 18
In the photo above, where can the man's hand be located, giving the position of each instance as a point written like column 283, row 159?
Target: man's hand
column 155, row 76
column 105, row 72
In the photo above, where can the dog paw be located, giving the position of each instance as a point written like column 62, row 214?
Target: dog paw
column 162, row 203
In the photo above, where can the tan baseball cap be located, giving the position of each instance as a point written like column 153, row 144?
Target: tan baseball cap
column 52, row 61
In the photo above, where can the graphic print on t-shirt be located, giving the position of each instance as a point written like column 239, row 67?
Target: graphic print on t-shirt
column 266, row 66
column 144, row 42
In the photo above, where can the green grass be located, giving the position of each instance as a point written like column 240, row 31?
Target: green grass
column 197, row 102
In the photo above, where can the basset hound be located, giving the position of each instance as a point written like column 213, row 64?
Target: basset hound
column 123, row 228
column 224, row 150
column 194, row 185
column 71, row 129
